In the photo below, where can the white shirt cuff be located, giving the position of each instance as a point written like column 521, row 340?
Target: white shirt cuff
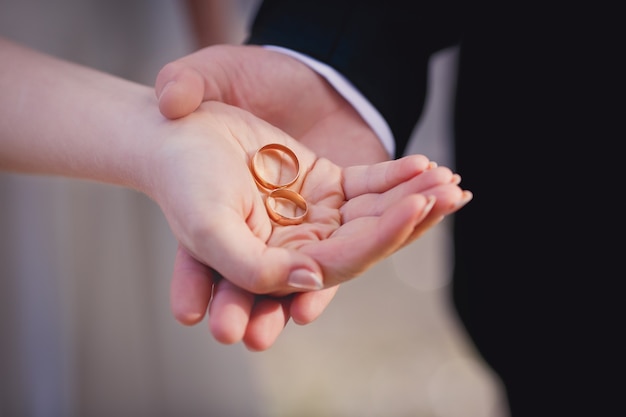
column 349, row 92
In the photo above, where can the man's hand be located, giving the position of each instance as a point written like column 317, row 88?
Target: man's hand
column 276, row 88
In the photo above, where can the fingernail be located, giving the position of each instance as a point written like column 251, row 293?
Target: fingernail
column 191, row 318
column 432, row 164
column 467, row 197
column 305, row 280
column 165, row 87
column 456, row 179
column 430, row 204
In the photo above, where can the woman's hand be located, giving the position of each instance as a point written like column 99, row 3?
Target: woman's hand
column 356, row 217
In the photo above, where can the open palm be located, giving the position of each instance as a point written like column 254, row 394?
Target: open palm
column 357, row 216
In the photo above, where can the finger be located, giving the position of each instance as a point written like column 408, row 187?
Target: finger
column 438, row 213
column 183, row 84
column 268, row 319
column 271, row 315
column 180, row 90
column 306, row 307
column 383, row 176
column 438, row 182
column 229, row 312
column 190, row 289
column 231, row 248
column 370, row 239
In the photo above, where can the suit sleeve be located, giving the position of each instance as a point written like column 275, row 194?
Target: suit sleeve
column 382, row 47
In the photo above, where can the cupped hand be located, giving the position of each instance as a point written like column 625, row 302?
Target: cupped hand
column 291, row 96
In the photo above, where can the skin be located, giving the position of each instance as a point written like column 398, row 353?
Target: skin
column 59, row 118
column 270, row 85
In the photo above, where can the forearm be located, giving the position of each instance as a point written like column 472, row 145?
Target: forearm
column 59, row 118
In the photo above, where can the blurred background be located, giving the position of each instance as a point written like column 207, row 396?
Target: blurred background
column 85, row 327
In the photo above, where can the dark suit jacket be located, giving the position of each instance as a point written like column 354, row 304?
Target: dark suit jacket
column 530, row 109
column 353, row 37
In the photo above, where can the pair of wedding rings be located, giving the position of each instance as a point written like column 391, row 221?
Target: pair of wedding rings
column 280, row 200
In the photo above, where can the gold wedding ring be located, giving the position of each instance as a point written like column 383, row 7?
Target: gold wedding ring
column 280, row 199
column 263, row 181
column 276, row 199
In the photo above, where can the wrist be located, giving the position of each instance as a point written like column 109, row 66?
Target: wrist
column 64, row 119
column 128, row 133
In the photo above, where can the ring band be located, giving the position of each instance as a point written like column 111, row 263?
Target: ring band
column 289, row 195
column 262, row 181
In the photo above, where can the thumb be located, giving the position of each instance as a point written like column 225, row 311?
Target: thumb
column 179, row 89
column 241, row 257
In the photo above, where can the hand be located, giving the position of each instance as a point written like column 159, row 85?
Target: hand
column 276, row 88
column 216, row 210
column 270, row 85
